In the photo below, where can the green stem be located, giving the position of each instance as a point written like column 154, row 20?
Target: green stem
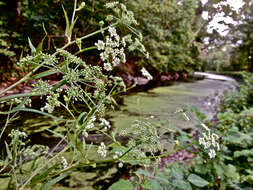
column 85, row 49
column 74, row 12
column 87, row 36
column 105, row 134
column 70, row 112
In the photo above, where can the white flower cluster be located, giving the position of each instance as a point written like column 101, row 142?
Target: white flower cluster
column 17, row 134
column 35, row 151
column 111, row 4
column 102, row 150
column 41, row 87
column 112, row 49
column 117, row 154
column 64, row 162
column 90, row 123
column 146, row 74
column 209, row 141
column 120, row 165
column 52, row 101
column 105, row 123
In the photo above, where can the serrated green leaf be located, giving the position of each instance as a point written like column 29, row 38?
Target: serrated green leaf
column 143, row 172
column 245, row 153
column 154, row 185
column 177, row 172
column 230, row 171
column 201, row 169
column 162, row 179
column 121, row 185
column 219, row 169
column 181, row 184
column 197, row 180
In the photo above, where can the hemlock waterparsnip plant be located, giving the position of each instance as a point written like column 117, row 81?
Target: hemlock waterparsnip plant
column 80, row 82
column 26, row 166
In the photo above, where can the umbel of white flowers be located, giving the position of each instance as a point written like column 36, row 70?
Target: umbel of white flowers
column 112, row 49
column 102, row 150
column 209, row 141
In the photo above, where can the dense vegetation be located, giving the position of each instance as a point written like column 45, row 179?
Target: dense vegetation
column 69, row 52
column 173, row 31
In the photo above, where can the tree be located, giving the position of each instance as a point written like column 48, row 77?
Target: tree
column 243, row 35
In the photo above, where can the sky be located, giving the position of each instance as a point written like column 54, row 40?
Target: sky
column 221, row 28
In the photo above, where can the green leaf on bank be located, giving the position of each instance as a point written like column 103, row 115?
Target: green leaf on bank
column 245, row 153
column 201, row 169
column 219, row 169
column 152, row 185
column 121, row 185
column 197, row 180
column 230, row 172
column 159, row 177
column 181, row 184
column 143, row 172
column 177, row 172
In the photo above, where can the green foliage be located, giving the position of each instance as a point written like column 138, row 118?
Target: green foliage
column 196, row 180
column 122, row 184
column 174, row 176
column 168, row 28
column 241, row 99
column 242, row 56
column 169, row 37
